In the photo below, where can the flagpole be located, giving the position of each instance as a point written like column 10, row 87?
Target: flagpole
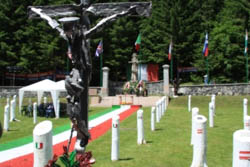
column 171, row 69
column 246, row 55
column 207, row 69
column 101, row 69
column 246, row 67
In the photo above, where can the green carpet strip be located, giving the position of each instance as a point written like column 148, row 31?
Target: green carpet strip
column 29, row 139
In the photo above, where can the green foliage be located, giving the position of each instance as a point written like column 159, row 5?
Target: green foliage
column 69, row 161
column 33, row 45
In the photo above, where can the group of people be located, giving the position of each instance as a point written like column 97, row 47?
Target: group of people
column 46, row 110
column 43, row 110
column 138, row 88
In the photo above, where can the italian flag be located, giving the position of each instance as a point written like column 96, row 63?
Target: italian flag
column 138, row 43
column 170, row 50
column 246, row 39
column 39, row 145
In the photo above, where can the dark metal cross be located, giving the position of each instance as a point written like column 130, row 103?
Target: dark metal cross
column 75, row 28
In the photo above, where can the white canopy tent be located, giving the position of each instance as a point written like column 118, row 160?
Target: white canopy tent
column 44, row 86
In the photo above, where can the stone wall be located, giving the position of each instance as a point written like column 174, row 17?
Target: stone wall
column 217, row 89
column 154, row 88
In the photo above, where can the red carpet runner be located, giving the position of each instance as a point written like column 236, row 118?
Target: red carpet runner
column 27, row 160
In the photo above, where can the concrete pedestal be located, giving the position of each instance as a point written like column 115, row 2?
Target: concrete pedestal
column 42, row 143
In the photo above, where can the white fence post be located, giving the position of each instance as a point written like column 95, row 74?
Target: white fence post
column 195, row 111
column 42, row 143
column 34, row 113
column 140, row 128
column 189, row 103
column 241, row 148
column 200, row 142
column 153, row 118
column 115, row 138
column 6, row 118
column 211, row 115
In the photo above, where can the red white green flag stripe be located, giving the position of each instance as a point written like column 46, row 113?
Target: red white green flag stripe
column 138, row 43
column 39, row 145
column 170, row 50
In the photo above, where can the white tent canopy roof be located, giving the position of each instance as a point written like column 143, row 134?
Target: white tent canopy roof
column 44, row 86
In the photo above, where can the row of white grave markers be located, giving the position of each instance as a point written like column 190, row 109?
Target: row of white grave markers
column 211, row 109
column 9, row 112
column 115, row 134
column 158, row 111
column 241, row 141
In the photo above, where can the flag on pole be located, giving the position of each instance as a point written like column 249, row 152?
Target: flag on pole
column 246, row 39
column 205, row 48
column 99, row 49
column 170, row 50
column 138, row 43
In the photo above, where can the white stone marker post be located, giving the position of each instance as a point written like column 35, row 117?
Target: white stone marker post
column 213, row 101
column 105, row 81
column 166, row 79
column 195, row 111
column 157, row 112
column 8, row 101
column 200, row 142
column 165, row 103
column 6, row 118
column 42, row 143
column 189, row 103
column 57, row 108
column 211, row 115
column 247, row 122
column 12, row 110
column 162, row 107
column 115, row 138
column 160, row 110
column 244, row 108
column 140, row 128
column 153, row 118
column 34, row 113
column 241, row 148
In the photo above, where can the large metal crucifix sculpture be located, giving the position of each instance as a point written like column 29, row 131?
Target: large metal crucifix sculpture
column 75, row 28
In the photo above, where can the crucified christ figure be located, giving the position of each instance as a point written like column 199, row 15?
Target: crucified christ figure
column 77, row 32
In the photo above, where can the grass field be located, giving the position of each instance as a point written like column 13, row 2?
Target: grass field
column 169, row 145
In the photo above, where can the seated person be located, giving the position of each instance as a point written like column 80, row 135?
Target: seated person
column 49, row 111
column 41, row 109
column 30, row 110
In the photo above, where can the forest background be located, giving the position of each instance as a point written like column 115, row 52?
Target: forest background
column 34, row 46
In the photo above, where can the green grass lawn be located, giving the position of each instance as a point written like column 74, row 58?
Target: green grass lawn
column 169, row 145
